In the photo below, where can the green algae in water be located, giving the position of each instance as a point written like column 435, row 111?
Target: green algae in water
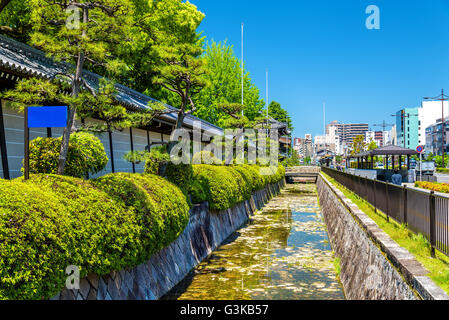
column 283, row 253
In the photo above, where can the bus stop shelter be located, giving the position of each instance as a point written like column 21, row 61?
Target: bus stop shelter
column 365, row 160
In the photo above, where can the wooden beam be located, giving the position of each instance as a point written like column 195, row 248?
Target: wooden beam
column 111, row 150
column 3, row 149
column 132, row 147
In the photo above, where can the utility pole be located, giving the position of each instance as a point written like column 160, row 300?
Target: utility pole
column 442, row 97
column 324, row 128
column 384, row 126
column 267, row 94
column 242, row 70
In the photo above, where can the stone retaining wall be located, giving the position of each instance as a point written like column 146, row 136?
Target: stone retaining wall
column 373, row 266
column 205, row 231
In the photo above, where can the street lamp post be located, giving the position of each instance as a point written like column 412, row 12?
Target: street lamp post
column 442, row 97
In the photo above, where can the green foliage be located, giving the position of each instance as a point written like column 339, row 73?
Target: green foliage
column 85, row 155
column 225, row 186
column 443, row 170
column 153, row 159
column 372, row 146
column 225, row 75
column 293, row 161
column 160, row 206
column 50, row 222
column 179, row 174
column 280, row 114
column 358, row 145
column 439, row 161
column 205, row 157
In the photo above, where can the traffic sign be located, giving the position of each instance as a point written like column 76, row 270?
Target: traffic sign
column 420, row 149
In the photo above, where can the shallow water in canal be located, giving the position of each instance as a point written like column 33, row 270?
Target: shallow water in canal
column 283, row 252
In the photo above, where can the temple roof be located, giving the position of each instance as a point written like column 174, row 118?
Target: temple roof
column 386, row 151
column 24, row 60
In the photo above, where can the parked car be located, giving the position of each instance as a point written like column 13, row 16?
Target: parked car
column 428, row 168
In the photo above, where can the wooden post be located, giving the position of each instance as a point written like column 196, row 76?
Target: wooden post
column 132, row 147
column 49, row 133
column 432, row 226
column 3, row 149
column 26, row 143
column 375, row 194
column 386, row 200
column 405, row 193
column 111, row 150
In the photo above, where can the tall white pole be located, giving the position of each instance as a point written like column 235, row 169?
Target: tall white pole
column 324, row 117
column 324, row 127
column 267, row 95
column 267, row 99
column 242, row 69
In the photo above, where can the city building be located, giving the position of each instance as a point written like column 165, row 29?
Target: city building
column 411, row 123
column 308, row 146
column 347, row 131
column 434, row 137
column 303, row 146
column 391, row 137
column 408, row 127
column 377, row 136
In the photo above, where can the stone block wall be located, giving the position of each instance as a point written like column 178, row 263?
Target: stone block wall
column 373, row 266
column 151, row 280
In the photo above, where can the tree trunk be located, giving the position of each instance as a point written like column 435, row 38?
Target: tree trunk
column 3, row 4
column 179, row 123
column 76, row 85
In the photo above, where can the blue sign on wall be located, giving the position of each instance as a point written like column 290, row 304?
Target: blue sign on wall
column 47, row 117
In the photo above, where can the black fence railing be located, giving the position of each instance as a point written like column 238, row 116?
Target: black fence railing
column 422, row 212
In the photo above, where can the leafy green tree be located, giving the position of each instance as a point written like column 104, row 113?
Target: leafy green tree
column 225, row 75
column 358, row 145
column 80, row 33
column 280, row 114
column 372, row 146
column 171, row 52
column 15, row 19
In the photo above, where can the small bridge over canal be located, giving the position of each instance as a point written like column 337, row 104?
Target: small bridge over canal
column 302, row 174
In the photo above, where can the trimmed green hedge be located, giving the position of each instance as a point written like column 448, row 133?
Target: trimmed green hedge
column 225, row 186
column 85, row 155
column 110, row 223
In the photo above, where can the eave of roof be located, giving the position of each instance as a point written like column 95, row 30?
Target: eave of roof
column 23, row 59
column 386, row 151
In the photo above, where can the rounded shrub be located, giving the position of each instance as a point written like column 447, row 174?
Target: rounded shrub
column 205, row 157
column 179, row 174
column 33, row 244
column 225, row 186
column 85, row 155
column 50, row 222
column 160, row 206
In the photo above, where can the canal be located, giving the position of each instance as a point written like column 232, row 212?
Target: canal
column 282, row 253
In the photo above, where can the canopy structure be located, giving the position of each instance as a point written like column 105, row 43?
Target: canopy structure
column 364, row 161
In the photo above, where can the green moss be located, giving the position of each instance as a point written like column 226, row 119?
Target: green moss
column 417, row 245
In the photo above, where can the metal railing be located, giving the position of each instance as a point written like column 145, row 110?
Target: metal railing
column 422, row 212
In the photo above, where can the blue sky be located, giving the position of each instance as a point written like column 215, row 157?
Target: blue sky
column 320, row 51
